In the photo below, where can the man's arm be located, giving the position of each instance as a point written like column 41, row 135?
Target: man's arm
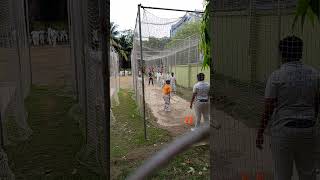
column 269, row 105
column 192, row 100
column 193, row 95
column 316, row 105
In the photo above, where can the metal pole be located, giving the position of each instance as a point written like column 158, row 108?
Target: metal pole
column 105, row 32
column 164, row 156
column 145, row 7
column 72, row 47
column 1, row 132
column 28, row 33
column 142, row 75
column 189, row 66
column 279, row 32
column 175, row 64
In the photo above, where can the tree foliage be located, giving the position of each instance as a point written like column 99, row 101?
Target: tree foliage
column 121, row 41
column 189, row 29
column 307, row 9
column 205, row 41
column 156, row 43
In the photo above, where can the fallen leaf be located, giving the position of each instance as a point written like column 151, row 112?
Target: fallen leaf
column 191, row 170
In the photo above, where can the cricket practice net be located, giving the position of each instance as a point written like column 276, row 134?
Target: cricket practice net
column 15, row 78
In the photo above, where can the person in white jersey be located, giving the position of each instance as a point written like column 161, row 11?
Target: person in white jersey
column 173, row 82
column 41, row 37
column 54, row 37
column 35, row 38
column 200, row 99
column 158, row 77
column 291, row 110
column 49, row 34
column 162, row 80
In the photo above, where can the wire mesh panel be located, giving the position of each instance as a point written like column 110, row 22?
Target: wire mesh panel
column 169, row 45
column 14, row 77
column 114, row 76
column 87, row 59
column 245, row 54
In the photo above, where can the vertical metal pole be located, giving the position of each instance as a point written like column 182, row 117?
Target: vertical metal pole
column 175, row 64
column 142, row 75
column 72, row 47
column 1, row 132
column 189, row 65
column 279, row 32
column 105, row 32
column 28, row 33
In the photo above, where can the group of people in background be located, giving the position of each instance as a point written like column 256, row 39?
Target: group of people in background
column 50, row 37
column 200, row 99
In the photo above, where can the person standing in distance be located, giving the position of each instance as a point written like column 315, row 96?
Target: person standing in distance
column 166, row 90
column 200, row 99
column 150, row 74
column 173, row 82
column 291, row 110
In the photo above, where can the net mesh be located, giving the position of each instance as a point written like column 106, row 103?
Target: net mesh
column 87, row 60
column 15, row 77
column 246, row 36
column 169, row 45
column 114, row 77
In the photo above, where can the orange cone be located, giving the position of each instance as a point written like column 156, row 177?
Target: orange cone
column 244, row 177
column 260, row 176
column 188, row 120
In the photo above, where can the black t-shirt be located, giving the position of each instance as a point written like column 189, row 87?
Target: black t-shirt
column 150, row 75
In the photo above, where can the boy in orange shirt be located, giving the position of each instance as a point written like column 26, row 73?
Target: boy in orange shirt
column 166, row 90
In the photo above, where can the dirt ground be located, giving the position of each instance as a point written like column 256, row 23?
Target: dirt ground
column 51, row 66
column 172, row 121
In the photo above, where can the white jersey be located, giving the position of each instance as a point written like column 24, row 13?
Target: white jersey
column 202, row 89
column 35, row 34
column 173, row 80
column 168, row 77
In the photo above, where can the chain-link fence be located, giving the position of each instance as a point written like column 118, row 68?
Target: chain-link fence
column 246, row 36
column 87, row 57
column 15, row 78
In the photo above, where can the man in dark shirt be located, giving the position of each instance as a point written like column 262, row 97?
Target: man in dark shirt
column 291, row 110
column 150, row 74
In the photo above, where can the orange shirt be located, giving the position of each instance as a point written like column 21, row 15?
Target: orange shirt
column 166, row 89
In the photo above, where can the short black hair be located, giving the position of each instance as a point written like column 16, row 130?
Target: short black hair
column 200, row 76
column 291, row 48
column 167, row 81
column 172, row 73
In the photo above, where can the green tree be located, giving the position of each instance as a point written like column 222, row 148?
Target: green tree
column 307, row 8
column 205, row 40
column 126, row 42
column 189, row 29
column 114, row 40
column 156, row 43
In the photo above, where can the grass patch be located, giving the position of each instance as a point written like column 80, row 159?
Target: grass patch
column 127, row 128
column 129, row 149
column 56, row 139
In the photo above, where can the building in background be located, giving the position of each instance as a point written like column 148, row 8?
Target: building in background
column 188, row 17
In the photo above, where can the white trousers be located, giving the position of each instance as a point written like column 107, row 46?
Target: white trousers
column 201, row 109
